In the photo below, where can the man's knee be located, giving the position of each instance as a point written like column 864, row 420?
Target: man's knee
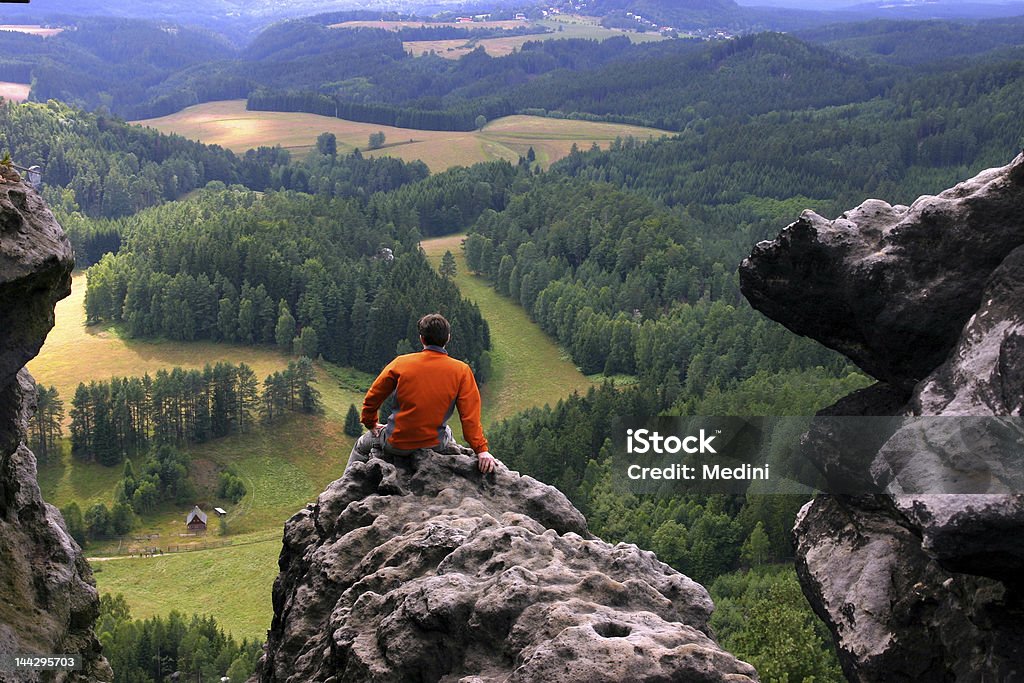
column 364, row 443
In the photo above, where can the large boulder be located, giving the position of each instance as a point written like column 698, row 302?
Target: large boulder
column 923, row 582
column 48, row 599
column 421, row 568
column 891, row 287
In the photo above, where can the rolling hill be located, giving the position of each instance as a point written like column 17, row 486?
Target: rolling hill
column 230, row 125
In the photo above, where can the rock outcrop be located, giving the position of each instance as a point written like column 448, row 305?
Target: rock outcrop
column 928, row 299
column 423, row 569
column 48, row 600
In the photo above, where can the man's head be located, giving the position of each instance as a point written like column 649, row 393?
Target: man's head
column 434, row 330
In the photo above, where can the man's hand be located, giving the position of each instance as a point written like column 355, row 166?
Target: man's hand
column 486, row 462
column 376, row 429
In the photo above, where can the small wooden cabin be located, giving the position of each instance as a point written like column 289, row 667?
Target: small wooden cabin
column 196, row 521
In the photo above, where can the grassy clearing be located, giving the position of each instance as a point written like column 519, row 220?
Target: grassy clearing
column 284, row 467
column 229, row 124
column 530, row 369
column 562, row 26
column 14, row 92
column 75, row 353
column 233, row 584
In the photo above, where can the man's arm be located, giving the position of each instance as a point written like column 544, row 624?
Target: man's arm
column 468, row 402
column 382, row 387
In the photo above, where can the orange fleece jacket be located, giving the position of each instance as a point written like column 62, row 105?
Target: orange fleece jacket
column 428, row 386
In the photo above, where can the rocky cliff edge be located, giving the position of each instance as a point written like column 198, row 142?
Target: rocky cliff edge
column 48, row 600
column 423, row 569
column 929, row 300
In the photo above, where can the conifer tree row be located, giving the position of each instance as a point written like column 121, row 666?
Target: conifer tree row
column 628, row 288
column 111, row 420
column 46, row 426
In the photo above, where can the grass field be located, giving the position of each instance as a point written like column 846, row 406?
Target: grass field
column 284, row 467
column 76, row 353
column 233, row 584
column 15, row 92
column 229, row 124
column 529, row 367
column 562, row 27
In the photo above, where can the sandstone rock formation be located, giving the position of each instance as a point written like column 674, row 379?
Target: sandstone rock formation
column 423, row 569
column 48, row 600
column 929, row 299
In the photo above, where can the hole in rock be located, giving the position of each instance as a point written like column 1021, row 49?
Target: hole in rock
column 611, row 630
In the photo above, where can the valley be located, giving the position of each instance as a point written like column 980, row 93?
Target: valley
column 598, row 188
column 284, row 467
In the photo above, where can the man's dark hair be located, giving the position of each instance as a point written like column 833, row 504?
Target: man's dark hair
column 434, row 329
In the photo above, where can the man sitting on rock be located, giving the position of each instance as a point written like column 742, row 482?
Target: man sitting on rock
column 427, row 387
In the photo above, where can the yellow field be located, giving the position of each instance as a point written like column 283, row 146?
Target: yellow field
column 562, row 27
column 453, row 49
column 15, row 92
column 581, row 26
column 228, row 124
column 31, row 29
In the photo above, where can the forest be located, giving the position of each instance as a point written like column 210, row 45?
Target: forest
column 365, row 74
column 142, row 650
column 96, row 166
column 308, row 273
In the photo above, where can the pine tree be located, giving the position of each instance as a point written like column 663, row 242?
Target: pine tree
column 352, row 425
column 448, row 267
column 304, row 374
column 248, row 397
column 284, row 332
column 81, row 421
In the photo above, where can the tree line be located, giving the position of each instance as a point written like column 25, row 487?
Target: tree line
column 127, row 415
column 462, row 117
column 151, row 650
column 98, row 167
